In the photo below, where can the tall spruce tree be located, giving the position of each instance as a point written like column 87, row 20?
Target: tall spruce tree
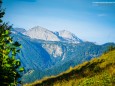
column 10, row 70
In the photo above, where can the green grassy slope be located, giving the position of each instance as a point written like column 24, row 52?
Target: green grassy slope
column 97, row 72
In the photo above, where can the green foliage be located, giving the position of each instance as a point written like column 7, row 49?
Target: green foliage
column 10, row 69
column 97, row 72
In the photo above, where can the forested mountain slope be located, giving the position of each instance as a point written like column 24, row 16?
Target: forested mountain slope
column 42, row 58
column 97, row 72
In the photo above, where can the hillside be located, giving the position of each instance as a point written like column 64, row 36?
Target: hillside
column 46, row 58
column 97, row 72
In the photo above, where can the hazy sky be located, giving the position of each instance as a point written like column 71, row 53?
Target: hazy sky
column 91, row 20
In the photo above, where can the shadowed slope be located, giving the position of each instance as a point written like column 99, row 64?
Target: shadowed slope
column 97, row 72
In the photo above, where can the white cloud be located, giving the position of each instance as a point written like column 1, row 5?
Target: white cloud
column 103, row 3
column 102, row 15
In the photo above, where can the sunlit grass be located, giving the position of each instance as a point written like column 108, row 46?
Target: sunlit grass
column 97, row 72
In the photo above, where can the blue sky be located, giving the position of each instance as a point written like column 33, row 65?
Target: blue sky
column 90, row 20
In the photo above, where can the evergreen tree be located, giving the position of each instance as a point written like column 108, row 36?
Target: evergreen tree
column 10, row 70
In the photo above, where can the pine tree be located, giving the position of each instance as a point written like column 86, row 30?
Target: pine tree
column 10, row 70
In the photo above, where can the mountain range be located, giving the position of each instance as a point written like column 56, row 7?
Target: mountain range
column 45, row 53
column 47, row 35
